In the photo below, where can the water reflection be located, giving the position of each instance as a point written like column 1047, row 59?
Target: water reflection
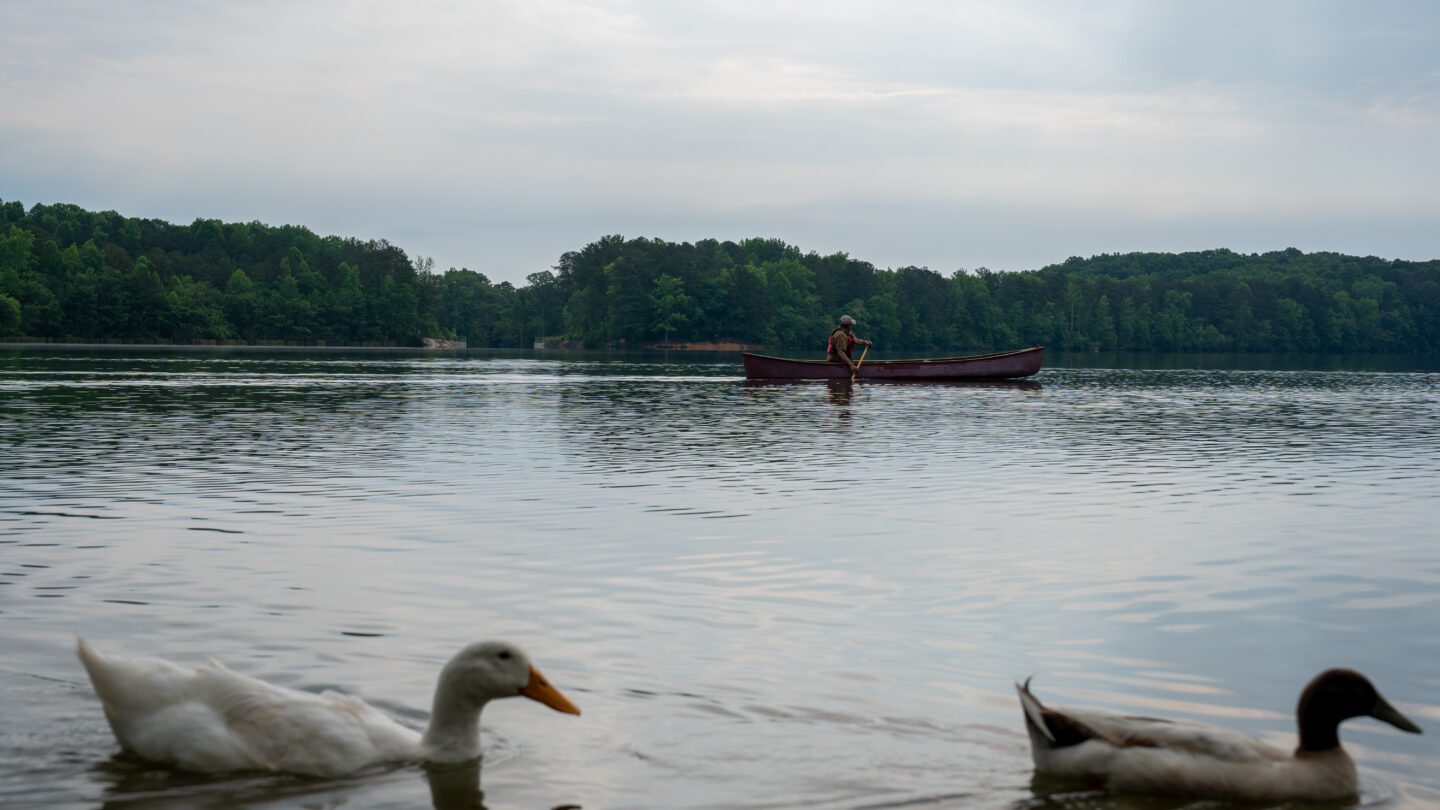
column 1243, row 361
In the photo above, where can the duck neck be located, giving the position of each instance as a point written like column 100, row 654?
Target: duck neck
column 1318, row 733
column 454, row 731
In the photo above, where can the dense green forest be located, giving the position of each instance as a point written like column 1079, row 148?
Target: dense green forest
column 67, row 273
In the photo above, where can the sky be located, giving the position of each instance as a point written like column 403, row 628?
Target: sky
column 498, row 134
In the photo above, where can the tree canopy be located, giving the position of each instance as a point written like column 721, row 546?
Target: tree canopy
column 71, row 274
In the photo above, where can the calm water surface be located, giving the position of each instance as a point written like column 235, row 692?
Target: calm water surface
column 761, row 596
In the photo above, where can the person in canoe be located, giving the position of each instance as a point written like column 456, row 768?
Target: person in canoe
column 842, row 343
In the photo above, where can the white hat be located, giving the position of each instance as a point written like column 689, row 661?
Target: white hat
column 846, row 320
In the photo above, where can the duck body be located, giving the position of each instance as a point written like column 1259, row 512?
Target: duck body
column 1133, row 754
column 211, row 719
column 1129, row 754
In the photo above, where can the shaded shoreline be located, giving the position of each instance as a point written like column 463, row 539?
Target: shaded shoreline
column 1424, row 362
column 29, row 344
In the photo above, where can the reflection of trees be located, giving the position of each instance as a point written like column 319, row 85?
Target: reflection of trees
column 1230, row 361
column 216, row 423
column 1222, row 417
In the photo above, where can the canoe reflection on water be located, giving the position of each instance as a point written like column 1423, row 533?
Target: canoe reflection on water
column 842, row 392
column 846, row 385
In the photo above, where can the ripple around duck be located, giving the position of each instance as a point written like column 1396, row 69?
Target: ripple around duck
column 761, row 595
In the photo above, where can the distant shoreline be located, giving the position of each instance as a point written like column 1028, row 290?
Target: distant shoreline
column 702, row 347
column 1382, row 362
column 37, row 344
column 291, row 347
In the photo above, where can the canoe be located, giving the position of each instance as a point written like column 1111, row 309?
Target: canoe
column 1005, row 365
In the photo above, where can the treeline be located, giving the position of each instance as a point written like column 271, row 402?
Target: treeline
column 71, row 274
column 768, row 292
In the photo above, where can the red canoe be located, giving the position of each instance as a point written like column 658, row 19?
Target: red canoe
column 1005, row 365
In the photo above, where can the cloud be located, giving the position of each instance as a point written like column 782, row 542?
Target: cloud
column 499, row 135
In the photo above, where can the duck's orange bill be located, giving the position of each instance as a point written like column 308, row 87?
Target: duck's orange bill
column 540, row 689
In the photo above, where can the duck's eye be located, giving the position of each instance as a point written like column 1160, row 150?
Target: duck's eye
column 504, row 655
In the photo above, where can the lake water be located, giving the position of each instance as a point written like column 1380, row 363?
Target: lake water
column 760, row 595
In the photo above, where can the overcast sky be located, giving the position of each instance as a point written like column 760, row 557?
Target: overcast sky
column 496, row 135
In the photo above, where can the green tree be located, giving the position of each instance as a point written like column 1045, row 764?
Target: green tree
column 145, row 302
column 1173, row 325
column 547, row 295
column 748, row 302
column 197, row 310
column 628, row 301
column 1102, row 330
column 100, row 275
column 348, row 317
column 242, row 305
column 672, row 305
column 9, row 316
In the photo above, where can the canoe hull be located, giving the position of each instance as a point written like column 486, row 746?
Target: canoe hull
column 1005, row 365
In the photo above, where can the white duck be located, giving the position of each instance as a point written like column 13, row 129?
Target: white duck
column 211, row 719
column 1149, row 755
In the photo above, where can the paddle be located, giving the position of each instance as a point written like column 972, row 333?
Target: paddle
column 856, row 370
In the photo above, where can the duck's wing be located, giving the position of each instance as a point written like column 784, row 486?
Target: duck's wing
column 1197, row 759
column 212, row 719
column 287, row 730
column 1183, row 737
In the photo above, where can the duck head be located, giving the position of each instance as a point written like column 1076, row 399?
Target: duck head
column 488, row 670
column 1334, row 696
column 476, row 675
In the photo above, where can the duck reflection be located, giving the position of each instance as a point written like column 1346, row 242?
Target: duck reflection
column 135, row 783
column 455, row 786
column 1054, row 793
